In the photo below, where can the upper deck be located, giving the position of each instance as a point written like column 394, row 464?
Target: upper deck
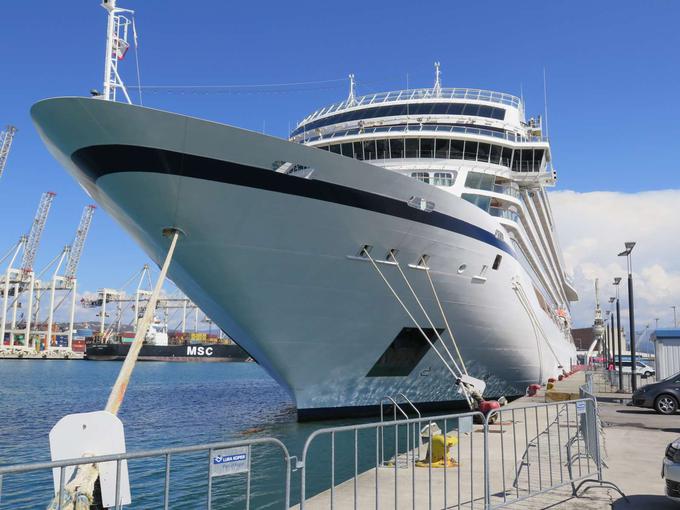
column 381, row 98
column 452, row 102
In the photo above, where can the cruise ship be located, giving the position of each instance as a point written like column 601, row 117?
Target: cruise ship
column 395, row 244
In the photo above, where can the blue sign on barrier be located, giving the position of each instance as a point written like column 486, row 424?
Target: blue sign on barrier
column 229, row 461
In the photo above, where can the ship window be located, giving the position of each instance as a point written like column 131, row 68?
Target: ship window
column 443, row 179
column 457, row 149
column 538, row 159
column 471, row 109
column 480, row 201
column 421, row 176
column 497, row 262
column 515, row 160
column 412, row 147
column 358, row 150
column 381, row 149
column 335, row 148
column 455, row 109
column 404, row 353
column 442, row 150
column 471, row 150
column 369, row 149
column 412, row 109
column 478, row 180
column 496, row 151
column 396, row 148
column 347, row 150
column 485, row 111
column 427, row 148
column 527, row 160
column 483, row 153
column 498, row 113
column 506, row 157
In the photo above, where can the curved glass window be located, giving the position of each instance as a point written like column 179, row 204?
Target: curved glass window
column 474, row 110
column 520, row 160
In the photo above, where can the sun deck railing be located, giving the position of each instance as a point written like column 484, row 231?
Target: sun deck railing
column 418, row 128
column 412, row 94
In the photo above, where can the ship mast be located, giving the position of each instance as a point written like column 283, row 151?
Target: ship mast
column 116, row 47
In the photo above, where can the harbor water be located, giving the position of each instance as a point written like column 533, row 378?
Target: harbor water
column 166, row 405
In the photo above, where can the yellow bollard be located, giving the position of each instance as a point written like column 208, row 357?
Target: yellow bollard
column 441, row 446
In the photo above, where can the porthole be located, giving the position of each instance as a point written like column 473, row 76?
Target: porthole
column 462, row 268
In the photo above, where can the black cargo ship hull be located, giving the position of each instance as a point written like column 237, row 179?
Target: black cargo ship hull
column 202, row 352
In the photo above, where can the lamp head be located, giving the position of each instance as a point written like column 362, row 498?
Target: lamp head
column 617, row 280
column 629, row 245
column 612, row 299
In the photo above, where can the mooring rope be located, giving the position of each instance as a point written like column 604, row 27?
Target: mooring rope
column 446, row 322
column 415, row 322
column 78, row 492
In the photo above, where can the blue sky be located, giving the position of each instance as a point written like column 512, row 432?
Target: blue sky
column 612, row 70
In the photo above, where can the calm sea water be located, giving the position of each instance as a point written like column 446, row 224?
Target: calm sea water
column 167, row 404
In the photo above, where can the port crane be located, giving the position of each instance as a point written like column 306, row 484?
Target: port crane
column 70, row 258
column 24, row 277
column 6, row 138
column 136, row 301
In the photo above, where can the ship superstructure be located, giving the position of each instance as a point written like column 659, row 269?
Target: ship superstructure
column 475, row 144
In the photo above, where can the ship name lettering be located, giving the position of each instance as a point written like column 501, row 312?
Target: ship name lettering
column 199, row 350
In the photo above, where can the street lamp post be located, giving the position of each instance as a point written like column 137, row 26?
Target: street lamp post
column 608, row 335
column 631, row 310
column 675, row 317
column 617, row 281
column 611, row 300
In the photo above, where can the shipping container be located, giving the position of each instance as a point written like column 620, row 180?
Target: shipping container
column 667, row 343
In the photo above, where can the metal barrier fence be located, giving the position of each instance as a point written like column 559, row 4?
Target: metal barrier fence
column 210, row 461
column 607, row 381
column 529, row 450
column 396, row 477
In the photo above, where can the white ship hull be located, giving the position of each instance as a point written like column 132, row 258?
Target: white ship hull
column 268, row 256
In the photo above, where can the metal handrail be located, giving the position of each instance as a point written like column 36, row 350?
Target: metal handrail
column 414, row 94
column 417, row 128
column 161, row 452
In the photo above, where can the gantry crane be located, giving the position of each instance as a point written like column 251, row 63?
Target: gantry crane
column 137, row 302
column 6, row 138
column 24, row 276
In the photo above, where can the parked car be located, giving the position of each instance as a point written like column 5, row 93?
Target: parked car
column 641, row 368
column 663, row 396
column 671, row 470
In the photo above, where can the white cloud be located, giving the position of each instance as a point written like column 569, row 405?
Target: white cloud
column 592, row 228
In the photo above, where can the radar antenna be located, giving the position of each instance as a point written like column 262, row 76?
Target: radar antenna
column 6, row 138
column 437, row 79
column 351, row 99
column 116, row 48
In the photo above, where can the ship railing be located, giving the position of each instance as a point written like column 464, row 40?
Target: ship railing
column 410, row 129
column 412, row 436
column 198, row 476
column 413, row 94
column 513, row 454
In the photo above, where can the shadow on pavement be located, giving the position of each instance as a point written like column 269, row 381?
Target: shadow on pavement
column 646, row 502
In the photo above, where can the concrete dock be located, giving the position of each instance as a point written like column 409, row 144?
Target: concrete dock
column 633, row 442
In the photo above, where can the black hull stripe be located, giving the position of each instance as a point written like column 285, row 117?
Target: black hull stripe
column 99, row 160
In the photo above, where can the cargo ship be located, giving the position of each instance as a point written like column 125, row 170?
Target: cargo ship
column 157, row 347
